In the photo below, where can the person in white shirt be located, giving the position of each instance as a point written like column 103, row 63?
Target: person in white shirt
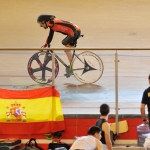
column 89, row 142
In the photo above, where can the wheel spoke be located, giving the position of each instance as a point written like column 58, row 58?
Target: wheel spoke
column 48, row 69
column 36, row 70
column 38, row 60
column 43, row 74
column 47, row 59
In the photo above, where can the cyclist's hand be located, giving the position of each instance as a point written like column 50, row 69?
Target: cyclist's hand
column 48, row 45
column 45, row 45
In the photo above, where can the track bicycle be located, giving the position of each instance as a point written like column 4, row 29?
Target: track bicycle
column 87, row 67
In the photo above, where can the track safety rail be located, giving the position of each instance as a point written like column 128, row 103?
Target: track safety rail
column 103, row 49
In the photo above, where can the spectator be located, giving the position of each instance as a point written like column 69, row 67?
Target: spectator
column 146, row 101
column 89, row 142
column 105, row 127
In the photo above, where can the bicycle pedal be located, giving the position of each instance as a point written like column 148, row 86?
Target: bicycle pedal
column 69, row 71
column 67, row 75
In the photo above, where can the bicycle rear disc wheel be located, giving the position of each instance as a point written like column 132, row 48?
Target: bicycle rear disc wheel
column 87, row 67
column 39, row 71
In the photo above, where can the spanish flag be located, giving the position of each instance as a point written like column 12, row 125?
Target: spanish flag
column 30, row 111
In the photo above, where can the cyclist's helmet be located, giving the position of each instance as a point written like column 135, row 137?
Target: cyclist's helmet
column 44, row 18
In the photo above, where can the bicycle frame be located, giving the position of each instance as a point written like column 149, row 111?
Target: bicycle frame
column 58, row 58
column 73, row 55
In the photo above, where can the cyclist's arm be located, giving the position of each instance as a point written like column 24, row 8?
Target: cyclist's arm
column 50, row 36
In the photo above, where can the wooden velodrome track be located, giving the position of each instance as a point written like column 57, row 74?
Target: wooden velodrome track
column 105, row 24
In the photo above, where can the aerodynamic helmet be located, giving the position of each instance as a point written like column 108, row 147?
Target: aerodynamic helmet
column 44, row 18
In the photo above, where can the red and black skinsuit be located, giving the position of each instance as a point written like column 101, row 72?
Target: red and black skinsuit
column 67, row 28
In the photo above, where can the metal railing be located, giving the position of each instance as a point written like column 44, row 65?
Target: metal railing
column 116, row 66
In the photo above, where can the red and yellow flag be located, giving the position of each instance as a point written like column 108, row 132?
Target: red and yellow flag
column 30, row 111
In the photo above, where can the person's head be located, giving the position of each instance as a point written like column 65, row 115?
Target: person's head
column 149, row 78
column 104, row 109
column 44, row 19
column 95, row 131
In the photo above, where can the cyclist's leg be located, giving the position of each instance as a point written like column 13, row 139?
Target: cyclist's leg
column 71, row 41
column 66, row 42
column 74, row 42
column 69, row 54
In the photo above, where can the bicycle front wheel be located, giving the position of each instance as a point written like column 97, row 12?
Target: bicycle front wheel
column 40, row 67
column 87, row 67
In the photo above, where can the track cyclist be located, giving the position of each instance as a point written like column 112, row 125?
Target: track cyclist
column 67, row 28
